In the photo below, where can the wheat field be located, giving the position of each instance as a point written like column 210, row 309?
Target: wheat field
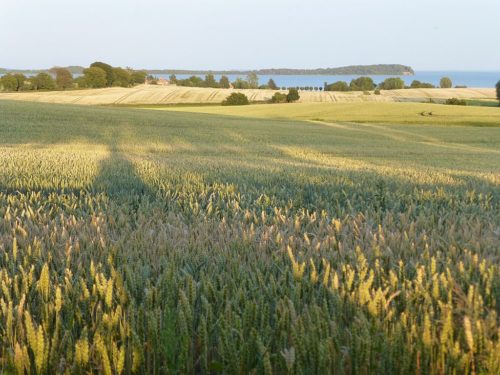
column 156, row 242
column 151, row 94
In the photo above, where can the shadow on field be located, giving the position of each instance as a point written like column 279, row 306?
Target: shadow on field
column 119, row 180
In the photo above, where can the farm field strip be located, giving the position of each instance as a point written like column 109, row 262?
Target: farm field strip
column 151, row 94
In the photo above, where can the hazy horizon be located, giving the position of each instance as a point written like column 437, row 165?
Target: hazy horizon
column 216, row 35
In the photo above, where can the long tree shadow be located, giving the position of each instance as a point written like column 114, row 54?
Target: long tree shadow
column 119, row 180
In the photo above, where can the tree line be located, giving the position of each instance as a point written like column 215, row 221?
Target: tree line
column 251, row 82
column 97, row 75
column 393, row 83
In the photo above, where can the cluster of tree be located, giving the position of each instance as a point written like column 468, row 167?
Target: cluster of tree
column 498, row 92
column 378, row 69
column 292, row 96
column 251, row 82
column 100, row 74
column 393, row 83
column 421, row 85
column 357, row 84
column 455, row 101
column 97, row 75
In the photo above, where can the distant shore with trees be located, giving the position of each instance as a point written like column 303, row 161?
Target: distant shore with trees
column 376, row 69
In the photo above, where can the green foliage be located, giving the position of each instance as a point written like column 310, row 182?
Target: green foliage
column 193, row 81
column 243, row 246
column 455, row 101
column 138, row 77
column 64, row 78
column 121, row 77
column 445, row 83
column 279, row 97
column 292, row 96
column 377, row 92
column 392, row 84
column 253, row 80
column 236, row 98
column 95, row 77
column 241, row 84
column 362, row 84
column 9, row 82
column 272, row 85
column 224, row 82
column 337, row 86
column 173, row 79
column 210, row 81
column 498, row 90
column 421, row 85
column 108, row 69
column 43, row 81
column 80, row 82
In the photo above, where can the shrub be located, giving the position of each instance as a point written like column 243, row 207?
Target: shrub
column 460, row 87
column 292, row 96
column 173, row 79
column 236, row 98
column 279, row 97
column 445, row 83
column 95, row 77
column 362, row 84
column 43, row 81
column 392, row 84
column 377, row 92
column 455, row 101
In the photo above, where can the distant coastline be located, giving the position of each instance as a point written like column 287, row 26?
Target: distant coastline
column 379, row 69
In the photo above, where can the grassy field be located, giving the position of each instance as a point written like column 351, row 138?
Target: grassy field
column 151, row 94
column 392, row 113
column 136, row 241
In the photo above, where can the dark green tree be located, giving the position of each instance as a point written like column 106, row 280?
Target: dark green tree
column 272, row 85
column 236, row 98
column 21, row 79
column 8, row 82
column 292, row 96
column 210, row 81
column 498, row 92
column 392, row 84
column 279, row 97
column 173, row 79
column 224, row 82
column 95, row 77
column 445, row 83
column 121, row 77
column 241, row 84
column 362, row 84
column 337, row 86
column 108, row 69
column 43, row 81
column 64, row 78
column 138, row 77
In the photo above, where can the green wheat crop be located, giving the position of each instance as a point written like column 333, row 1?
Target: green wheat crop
column 147, row 242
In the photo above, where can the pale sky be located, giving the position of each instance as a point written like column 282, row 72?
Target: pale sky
column 246, row 34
